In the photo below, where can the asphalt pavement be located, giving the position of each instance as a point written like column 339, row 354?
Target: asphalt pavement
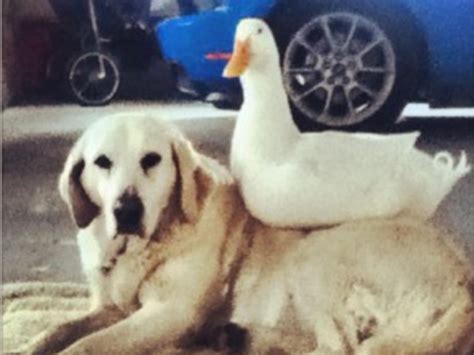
column 38, row 236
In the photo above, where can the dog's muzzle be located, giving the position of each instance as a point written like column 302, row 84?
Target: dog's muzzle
column 128, row 212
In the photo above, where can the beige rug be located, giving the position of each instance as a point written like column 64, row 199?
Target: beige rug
column 30, row 308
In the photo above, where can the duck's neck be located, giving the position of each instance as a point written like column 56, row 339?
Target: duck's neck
column 265, row 114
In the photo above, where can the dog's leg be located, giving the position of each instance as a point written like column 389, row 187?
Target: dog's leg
column 60, row 337
column 154, row 327
column 378, row 345
column 330, row 336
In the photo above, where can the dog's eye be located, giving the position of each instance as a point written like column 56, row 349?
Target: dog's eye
column 103, row 162
column 150, row 160
column 260, row 30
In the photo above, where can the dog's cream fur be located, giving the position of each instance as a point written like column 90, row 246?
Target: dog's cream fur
column 368, row 287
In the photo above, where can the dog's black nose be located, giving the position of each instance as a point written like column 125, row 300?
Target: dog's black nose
column 128, row 212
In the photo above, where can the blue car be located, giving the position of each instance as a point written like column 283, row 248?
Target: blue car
column 346, row 63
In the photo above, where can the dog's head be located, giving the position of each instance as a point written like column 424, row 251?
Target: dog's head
column 124, row 171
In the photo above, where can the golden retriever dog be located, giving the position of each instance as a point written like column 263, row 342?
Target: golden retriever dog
column 170, row 252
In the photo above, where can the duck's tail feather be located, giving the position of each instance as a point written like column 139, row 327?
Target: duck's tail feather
column 452, row 172
column 439, row 181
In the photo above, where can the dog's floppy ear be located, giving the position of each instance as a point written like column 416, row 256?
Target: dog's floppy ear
column 193, row 181
column 83, row 210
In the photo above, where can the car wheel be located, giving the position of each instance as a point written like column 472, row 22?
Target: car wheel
column 346, row 67
column 93, row 78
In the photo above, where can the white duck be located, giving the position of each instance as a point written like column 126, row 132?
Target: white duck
column 290, row 179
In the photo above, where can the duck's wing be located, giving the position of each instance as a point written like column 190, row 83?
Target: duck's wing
column 342, row 147
column 363, row 158
column 398, row 141
column 404, row 139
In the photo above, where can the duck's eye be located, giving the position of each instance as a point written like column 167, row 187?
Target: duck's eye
column 260, row 30
column 103, row 162
column 150, row 160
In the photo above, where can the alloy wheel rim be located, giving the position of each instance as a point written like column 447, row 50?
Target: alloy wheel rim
column 339, row 69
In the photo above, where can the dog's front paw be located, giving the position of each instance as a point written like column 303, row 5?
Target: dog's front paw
column 231, row 337
column 42, row 347
column 53, row 340
column 95, row 345
column 74, row 350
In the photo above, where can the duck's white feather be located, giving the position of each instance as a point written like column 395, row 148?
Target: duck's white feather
column 289, row 179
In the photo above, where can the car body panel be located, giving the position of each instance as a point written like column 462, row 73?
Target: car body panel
column 447, row 27
column 189, row 39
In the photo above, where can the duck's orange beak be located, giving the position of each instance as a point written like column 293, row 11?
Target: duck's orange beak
column 239, row 60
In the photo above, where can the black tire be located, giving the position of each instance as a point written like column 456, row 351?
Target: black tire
column 228, row 102
column 399, row 28
column 84, row 82
column 224, row 105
